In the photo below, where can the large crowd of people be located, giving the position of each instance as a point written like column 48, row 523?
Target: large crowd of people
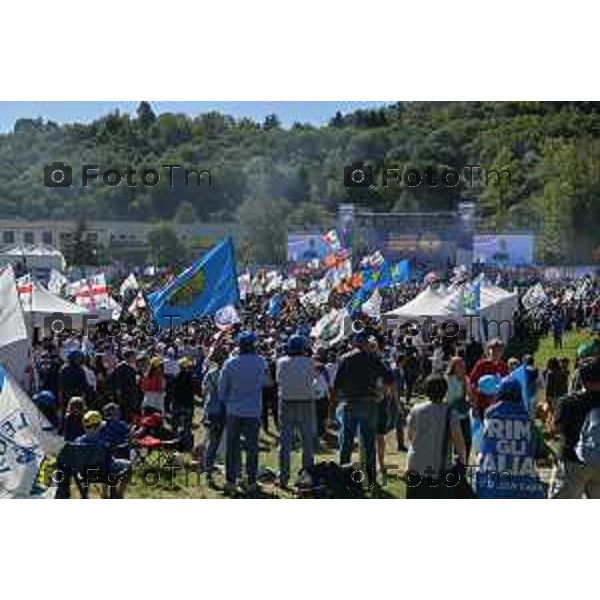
column 213, row 389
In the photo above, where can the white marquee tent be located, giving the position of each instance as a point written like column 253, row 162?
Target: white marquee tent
column 36, row 257
column 45, row 304
column 445, row 304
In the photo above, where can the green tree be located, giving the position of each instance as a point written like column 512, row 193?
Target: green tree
column 166, row 249
column 80, row 250
column 555, row 233
column 145, row 115
column 262, row 224
column 271, row 122
column 186, row 213
column 310, row 216
column 499, row 193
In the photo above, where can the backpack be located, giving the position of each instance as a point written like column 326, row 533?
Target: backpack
column 588, row 446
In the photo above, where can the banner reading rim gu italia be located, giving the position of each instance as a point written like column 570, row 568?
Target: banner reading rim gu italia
column 505, row 463
column 201, row 290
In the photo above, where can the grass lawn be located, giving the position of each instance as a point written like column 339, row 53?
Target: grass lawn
column 571, row 341
column 179, row 484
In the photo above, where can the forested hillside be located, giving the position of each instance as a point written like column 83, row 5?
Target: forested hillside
column 269, row 178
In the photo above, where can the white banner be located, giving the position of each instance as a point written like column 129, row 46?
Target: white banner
column 26, row 438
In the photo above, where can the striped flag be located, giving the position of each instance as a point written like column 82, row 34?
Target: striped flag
column 25, row 289
column 332, row 239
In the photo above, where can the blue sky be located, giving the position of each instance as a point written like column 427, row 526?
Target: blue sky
column 315, row 113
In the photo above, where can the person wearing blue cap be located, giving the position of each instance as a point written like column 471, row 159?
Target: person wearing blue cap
column 47, row 404
column 241, row 381
column 296, row 376
column 488, row 387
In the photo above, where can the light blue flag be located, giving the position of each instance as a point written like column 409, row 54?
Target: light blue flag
column 472, row 298
column 275, row 305
column 528, row 387
column 400, row 272
column 201, row 290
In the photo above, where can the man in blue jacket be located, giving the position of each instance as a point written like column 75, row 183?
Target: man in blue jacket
column 240, row 388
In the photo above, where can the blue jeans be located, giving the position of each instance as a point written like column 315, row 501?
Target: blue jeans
column 215, row 425
column 302, row 416
column 358, row 416
column 236, row 428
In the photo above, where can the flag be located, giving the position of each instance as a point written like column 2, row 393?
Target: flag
column 330, row 329
column 583, row 288
column 534, row 297
column 383, row 275
column 275, row 305
column 291, row 283
column 525, row 377
column 460, row 275
column 99, row 291
column 274, row 281
column 372, row 307
column 372, row 260
column 25, row 289
column 245, row 285
column 258, row 283
column 226, row 317
column 400, row 272
column 138, row 305
column 207, row 285
column 81, row 293
column 57, row 282
column 332, row 239
column 26, row 439
column 129, row 283
column 472, row 298
column 14, row 341
column 12, row 324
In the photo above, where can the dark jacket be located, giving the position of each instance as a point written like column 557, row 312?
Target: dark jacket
column 569, row 418
column 358, row 374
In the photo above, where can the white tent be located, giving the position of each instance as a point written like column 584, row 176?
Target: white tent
column 446, row 304
column 43, row 304
column 35, row 256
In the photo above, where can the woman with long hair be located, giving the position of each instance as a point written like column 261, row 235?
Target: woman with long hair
column 458, row 390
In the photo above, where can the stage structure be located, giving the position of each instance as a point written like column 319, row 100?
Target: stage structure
column 435, row 239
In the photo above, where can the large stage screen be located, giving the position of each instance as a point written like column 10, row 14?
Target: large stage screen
column 504, row 249
column 304, row 247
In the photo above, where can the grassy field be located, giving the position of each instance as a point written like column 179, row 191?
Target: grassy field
column 179, row 484
column 187, row 483
column 571, row 341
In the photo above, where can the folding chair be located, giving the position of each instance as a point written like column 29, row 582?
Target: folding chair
column 150, row 446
